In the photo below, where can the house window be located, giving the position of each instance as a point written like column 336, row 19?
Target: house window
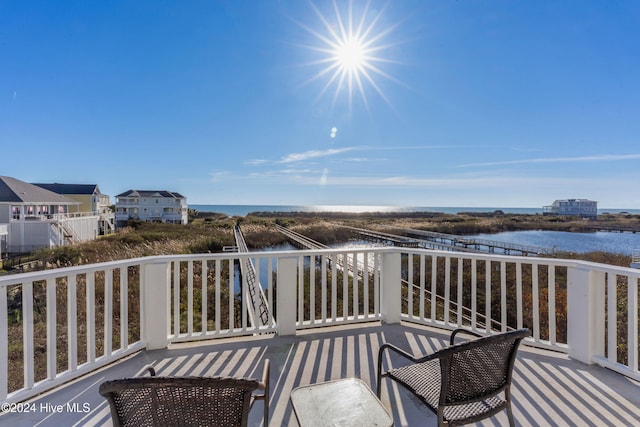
column 15, row 211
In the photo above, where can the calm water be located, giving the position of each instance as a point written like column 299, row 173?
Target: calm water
column 621, row 243
column 243, row 210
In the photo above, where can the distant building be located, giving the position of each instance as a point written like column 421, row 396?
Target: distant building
column 578, row 207
column 91, row 200
column 32, row 217
column 151, row 206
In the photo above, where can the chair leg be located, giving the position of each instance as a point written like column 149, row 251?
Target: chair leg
column 507, row 397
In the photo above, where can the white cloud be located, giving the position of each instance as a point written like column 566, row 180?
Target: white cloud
column 598, row 158
column 256, row 162
column 312, row 154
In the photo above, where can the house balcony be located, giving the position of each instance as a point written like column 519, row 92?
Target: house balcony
column 62, row 332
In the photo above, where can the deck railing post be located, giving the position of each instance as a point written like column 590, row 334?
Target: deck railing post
column 286, row 295
column 390, row 288
column 586, row 313
column 155, row 284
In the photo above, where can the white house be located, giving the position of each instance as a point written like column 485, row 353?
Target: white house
column 38, row 218
column 579, row 207
column 151, row 206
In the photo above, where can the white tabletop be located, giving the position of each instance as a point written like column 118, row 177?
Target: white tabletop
column 346, row 402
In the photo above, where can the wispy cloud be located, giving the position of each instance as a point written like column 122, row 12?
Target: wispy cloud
column 313, row 154
column 598, row 158
column 316, row 154
column 256, row 162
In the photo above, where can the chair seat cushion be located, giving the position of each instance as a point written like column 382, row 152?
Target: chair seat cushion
column 423, row 380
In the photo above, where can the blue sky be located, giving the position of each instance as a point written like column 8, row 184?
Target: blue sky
column 451, row 103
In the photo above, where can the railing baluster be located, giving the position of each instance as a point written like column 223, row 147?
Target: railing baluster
column 334, row 287
column 365, row 282
column 323, row 284
column 345, row 286
column 190, row 297
column 72, row 322
column 108, row 312
column 52, row 350
column 423, row 294
column 244, row 294
column 90, row 281
column 447, row 288
column 217, row 284
column 356, row 286
column 124, row 308
column 4, row 344
column 535, row 301
column 632, row 323
column 270, row 301
column 204, row 305
column 410, row 285
column 551, row 286
column 176, row 298
column 503, row 296
column 459, row 296
column 474, row 294
column 232, row 299
column 487, row 295
column 301, row 293
column 519, row 293
column 434, row 279
column 376, row 284
column 612, row 342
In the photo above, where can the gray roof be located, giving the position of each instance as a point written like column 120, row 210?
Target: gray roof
column 16, row 191
column 148, row 193
column 71, row 188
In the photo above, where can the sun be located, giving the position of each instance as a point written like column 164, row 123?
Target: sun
column 350, row 55
column 353, row 49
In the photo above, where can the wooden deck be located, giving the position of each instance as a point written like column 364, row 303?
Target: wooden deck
column 548, row 388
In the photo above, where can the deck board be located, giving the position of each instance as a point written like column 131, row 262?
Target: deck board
column 548, row 387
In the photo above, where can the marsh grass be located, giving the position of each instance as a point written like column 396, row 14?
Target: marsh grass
column 212, row 233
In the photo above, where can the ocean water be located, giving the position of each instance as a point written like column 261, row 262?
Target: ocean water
column 243, row 210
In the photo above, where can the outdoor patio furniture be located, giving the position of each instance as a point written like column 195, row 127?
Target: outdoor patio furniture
column 346, row 402
column 183, row 401
column 461, row 383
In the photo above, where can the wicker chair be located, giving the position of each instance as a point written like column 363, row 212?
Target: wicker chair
column 185, row 401
column 461, row 383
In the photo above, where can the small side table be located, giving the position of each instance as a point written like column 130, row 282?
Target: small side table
column 346, row 402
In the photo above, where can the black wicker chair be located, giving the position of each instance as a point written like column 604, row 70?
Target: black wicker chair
column 461, row 383
column 185, row 401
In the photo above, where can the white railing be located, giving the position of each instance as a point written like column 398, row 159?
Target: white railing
column 56, row 325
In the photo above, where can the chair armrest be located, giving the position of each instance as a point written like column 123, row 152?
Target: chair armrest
column 405, row 354
column 147, row 368
column 402, row 353
column 462, row 331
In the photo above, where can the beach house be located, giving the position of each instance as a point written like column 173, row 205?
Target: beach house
column 91, row 200
column 35, row 217
column 579, row 207
column 151, row 206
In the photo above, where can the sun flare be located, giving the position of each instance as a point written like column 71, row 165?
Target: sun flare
column 352, row 47
column 351, row 55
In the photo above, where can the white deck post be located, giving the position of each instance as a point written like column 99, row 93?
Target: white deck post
column 586, row 313
column 390, row 288
column 286, row 302
column 156, row 280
